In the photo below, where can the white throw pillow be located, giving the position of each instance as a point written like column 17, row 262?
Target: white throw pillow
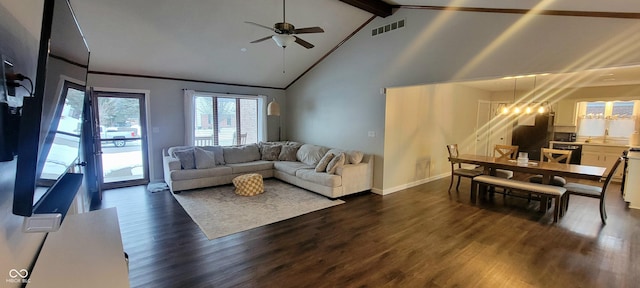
column 336, row 162
column 311, row 154
column 355, row 157
column 324, row 162
column 351, row 156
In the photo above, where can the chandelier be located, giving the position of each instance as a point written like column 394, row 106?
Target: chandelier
column 526, row 108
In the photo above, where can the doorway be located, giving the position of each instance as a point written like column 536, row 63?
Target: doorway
column 483, row 127
column 121, row 136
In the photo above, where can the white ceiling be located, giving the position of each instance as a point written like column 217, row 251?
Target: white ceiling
column 615, row 76
column 568, row 5
column 204, row 39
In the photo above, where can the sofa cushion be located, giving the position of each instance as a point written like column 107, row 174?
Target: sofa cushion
column 322, row 164
column 241, row 154
column 187, row 158
column 288, row 153
column 217, row 151
column 204, row 159
column 351, row 156
column 191, row 174
column 290, row 167
column 250, row 167
column 336, row 162
column 320, row 178
column 311, row 154
column 270, row 152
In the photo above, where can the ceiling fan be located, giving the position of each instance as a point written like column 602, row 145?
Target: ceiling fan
column 285, row 31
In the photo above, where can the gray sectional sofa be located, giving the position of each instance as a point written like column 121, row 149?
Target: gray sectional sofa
column 330, row 172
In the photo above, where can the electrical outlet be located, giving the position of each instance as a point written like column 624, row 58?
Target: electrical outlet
column 372, row 134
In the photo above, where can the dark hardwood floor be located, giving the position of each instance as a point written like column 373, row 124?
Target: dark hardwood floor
column 419, row 237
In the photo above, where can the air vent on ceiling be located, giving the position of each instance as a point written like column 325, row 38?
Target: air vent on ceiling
column 388, row 27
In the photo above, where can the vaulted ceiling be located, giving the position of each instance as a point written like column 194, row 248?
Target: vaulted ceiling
column 207, row 40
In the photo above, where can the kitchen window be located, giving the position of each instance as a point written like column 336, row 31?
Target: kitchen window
column 607, row 121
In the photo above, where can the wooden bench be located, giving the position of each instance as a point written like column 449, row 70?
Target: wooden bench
column 541, row 190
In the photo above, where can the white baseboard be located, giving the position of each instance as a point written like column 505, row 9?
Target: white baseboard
column 409, row 185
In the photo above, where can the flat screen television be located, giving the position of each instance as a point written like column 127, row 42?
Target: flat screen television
column 52, row 121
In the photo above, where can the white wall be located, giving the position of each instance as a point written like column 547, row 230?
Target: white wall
column 166, row 109
column 339, row 101
column 419, row 122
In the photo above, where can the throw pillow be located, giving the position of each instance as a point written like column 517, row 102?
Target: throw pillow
column 351, row 156
column 217, row 150
column 355, row 157
column 322, row 165
column 288, row 153
column 204, row 159
column 172, row 150
column 270, row 152
column 187, row 159
column 311, row 154
column 336, row 162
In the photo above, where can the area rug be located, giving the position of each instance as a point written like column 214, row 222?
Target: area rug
column 220, row 212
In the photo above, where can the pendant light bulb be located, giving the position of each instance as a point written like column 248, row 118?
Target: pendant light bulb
column 528, row 110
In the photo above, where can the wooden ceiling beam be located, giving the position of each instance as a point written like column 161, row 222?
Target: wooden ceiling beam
column 376, row 7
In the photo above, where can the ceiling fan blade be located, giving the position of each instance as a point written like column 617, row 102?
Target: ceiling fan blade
column 309, row 30
column 261, row 39
column 303, row 43
column 265, row 27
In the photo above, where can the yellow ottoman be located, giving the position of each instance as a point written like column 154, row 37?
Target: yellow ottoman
column 248, row 184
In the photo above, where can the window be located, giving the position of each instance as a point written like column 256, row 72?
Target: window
column 227, row 120
column 615, row 120
column 62, row 148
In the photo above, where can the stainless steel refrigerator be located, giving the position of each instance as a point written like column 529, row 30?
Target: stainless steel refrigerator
column 534, row 134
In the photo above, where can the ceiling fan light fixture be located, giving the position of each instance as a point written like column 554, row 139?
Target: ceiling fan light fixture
column 283, row 40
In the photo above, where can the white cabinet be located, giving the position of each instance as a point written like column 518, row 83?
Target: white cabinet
column 565, row 113
column 602, row 156
column 632, row 184
column 87, row 251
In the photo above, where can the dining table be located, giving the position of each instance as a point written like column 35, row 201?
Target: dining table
column 547, row 169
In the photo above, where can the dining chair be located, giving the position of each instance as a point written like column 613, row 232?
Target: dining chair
column 508, row 152
column 553, row 156
column 592, row 191
column 459, row 171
